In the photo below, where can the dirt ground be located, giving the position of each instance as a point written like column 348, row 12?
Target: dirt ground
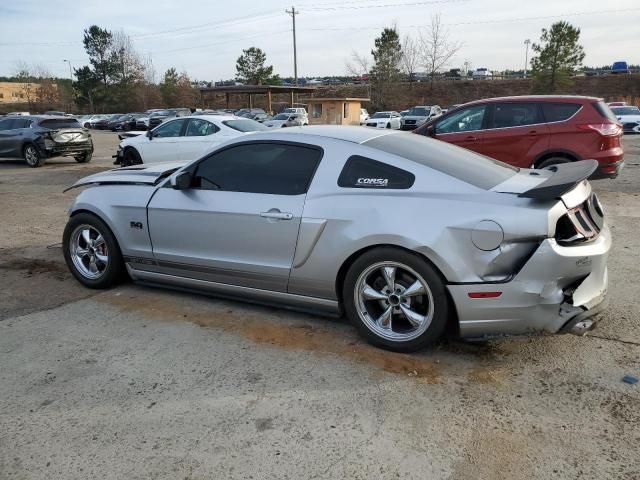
column 138, row 382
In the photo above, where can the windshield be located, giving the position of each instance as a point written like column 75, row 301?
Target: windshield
column 245, row 125
column 478, row 170
column 60, row 123
column 626, row 110
column 381, row 115
column 419, row 111
column 281, row 116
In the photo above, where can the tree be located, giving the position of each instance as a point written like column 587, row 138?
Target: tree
column 85, row 85
column 387, row 56
column 251, row 68
column 98, row 44
column 558, row 55
column 169, row 88
column 358, row 65
column 410, row 57
column 436, row 47
column 25, row 77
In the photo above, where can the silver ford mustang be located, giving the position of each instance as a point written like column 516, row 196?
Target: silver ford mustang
column 404, row 234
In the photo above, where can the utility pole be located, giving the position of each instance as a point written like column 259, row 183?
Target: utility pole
column 526, row 56
column 293, row 13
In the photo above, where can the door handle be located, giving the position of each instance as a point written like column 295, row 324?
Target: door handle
column 277, row 215
column 533, row 133
column 471, row 138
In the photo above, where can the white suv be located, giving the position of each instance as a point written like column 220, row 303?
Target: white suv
column 298, row 111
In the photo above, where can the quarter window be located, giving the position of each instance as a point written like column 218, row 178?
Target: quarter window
column 515, row 115
column 200, row 128
column 557, row 112
column 169, row 129
column 272, row 168
column 362, row 172
column 465, row 120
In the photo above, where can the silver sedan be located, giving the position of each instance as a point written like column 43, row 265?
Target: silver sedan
column 404, row 234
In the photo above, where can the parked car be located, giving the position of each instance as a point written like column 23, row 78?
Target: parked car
column 619, row 67
column 86, row 120
column 54, row 113
column 183, row 139
column 36, row 138
column 617, row 104
column 481, row 74
column 103, row 123
column 125, row 122
column 364, row 116
column 258, row 117
column 285, row 120
column 17, row 114
column 418, row 115
column 384, row 120
column 142, row 123
column 324, row 218
column 298, row 111
column 243, row 112
column 404, row 113
column 535, row 131
column 158, row 117
column 628, row 116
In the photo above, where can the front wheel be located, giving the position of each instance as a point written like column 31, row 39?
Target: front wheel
column 395, row 299
column 84, row 158
column 552, row 161
column 91, row 252
column 131, row 157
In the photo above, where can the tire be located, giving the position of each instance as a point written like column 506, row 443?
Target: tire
column 553, row 161
column 87, row 125
column 32, row 156
column 131, row 157
column 104, row 246
column 388, row 125
column 426, row 307
column 85, row 158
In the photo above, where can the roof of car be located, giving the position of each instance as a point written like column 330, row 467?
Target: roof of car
column 541, row 98
column 346, row 133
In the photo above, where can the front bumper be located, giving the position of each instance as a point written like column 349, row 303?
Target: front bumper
column 558, row 288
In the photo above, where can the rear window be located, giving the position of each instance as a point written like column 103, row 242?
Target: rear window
column 60, row 123
column 557, row 112
column 477, row 170
column 604, row 111
column 362, row 172
column 245, row 125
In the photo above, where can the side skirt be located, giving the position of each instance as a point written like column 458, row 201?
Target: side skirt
column 236, row 292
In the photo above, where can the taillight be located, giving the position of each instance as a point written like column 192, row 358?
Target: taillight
column 604, row 129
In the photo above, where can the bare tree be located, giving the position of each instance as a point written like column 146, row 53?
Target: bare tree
column 358, row 65
column 436, row 47
column 410, row 57
column 24, row 75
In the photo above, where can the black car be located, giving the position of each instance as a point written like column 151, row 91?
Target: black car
column 157, row 118
column 125, row 122
column 103, row 124
column 36, row 138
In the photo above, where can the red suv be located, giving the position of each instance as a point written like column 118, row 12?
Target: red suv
column 535, row 131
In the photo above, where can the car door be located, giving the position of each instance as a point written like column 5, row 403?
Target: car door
column 238, row 222
column 515, row 133
column 163, row 144
column 199, row 137
column 12, row 136
column 463, row 128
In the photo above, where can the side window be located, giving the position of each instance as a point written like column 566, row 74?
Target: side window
column 278, row 169
column 557, row 112
column 169, row 129
column 200, row 128
column 515, row 115
column 465, row 120
column 362, row 172
column 4, row 124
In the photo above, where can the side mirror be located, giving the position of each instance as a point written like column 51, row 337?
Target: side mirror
column 431, row 131
column 182, row 181
column 149, row 134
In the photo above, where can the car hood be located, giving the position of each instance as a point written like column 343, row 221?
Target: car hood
column 137, row 175
column 274, row 123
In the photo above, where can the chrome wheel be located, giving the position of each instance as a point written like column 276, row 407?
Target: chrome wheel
column 88, row 251
column 31, row 155
column 394, row 301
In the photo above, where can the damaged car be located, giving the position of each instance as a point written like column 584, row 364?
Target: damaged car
column 36, row 138
column 408, row 236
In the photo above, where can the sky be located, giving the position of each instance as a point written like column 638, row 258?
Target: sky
column 205, row 38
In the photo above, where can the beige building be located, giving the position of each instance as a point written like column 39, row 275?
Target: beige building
column 334, row 111
column 13, row 92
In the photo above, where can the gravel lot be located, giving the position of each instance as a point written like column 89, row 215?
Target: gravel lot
column 143, row 383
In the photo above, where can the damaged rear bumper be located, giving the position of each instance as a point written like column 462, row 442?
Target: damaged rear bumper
column 560, row 289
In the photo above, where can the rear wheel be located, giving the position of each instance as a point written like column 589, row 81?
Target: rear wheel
column 131, row 157
column 32, row 156
column 395, row 299
column 84, row 158
column 552, row 161
column 92, row 252
column 388, row 125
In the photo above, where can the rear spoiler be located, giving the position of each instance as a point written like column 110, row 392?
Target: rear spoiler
column 566, row 176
